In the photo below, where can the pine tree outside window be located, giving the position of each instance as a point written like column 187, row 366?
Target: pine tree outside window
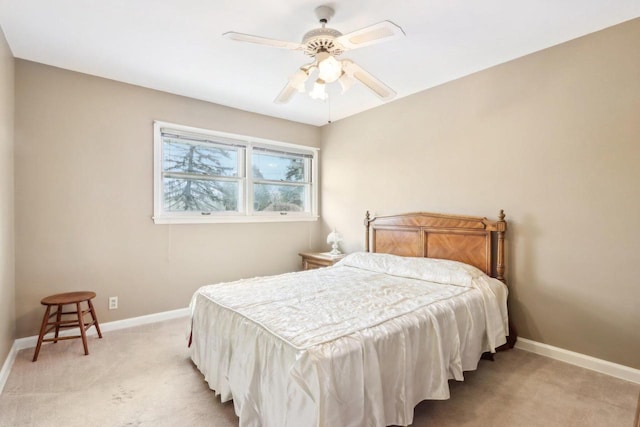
column 206, row 176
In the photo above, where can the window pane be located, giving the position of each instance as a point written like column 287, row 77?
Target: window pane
column 288, row 198
column 199, row 159
column 202, row 195
column 278, row 167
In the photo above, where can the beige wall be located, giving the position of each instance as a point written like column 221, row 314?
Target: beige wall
column 7, row 281
column 553, row 139
column 84, row 187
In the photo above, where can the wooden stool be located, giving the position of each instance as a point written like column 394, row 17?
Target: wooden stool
column 60, row 300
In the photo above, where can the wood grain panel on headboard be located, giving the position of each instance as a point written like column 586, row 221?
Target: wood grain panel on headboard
column 460, row 238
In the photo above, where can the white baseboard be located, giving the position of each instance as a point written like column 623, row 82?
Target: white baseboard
column 6, row 366
column 581, row 360
column 30, row 342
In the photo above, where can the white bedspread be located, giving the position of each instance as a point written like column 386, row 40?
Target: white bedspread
column 360, row 343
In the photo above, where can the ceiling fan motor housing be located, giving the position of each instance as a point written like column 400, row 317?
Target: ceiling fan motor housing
column 322, row 39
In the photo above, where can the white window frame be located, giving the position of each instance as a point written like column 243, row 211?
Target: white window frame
column 245, row 194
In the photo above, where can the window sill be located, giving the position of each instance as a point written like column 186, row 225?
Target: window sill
column 233, row 219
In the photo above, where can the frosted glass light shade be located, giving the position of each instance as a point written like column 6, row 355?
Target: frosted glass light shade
column 345, row 82
column 298, row 80
column 330, row 69
column 318, row 91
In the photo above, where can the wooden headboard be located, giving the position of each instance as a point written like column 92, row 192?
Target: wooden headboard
column 466, row 239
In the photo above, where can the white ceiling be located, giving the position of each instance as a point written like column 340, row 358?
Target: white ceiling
column 176, row 45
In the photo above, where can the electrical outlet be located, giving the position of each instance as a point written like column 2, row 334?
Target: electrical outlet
column 113, row 303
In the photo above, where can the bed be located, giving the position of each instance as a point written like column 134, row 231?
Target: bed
column 364, row 341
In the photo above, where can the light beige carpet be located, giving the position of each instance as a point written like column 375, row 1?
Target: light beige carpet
column 143, row 377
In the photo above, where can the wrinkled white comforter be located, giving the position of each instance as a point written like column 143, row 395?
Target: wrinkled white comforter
column 359, row 343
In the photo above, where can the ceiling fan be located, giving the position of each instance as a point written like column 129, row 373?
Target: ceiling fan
column 324, row 45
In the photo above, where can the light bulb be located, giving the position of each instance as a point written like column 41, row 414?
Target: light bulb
column 330, row 69
column 318, row 91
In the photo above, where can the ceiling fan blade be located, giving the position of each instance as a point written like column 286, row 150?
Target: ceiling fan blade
column 376, row 33
column 285, row 94
column 383, row 91
column 231, row 35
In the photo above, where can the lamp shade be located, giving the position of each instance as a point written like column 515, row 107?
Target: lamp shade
column 298, row 80
column 330, row 69
column 318, row 91
column 345, row 82
column 333, row 239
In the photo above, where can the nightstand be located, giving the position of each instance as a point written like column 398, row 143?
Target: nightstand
column 311, row 260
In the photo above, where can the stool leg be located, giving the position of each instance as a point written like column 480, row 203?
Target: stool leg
column 83, row 333
column 95, row 318
column 43, row 328
column 58, row 319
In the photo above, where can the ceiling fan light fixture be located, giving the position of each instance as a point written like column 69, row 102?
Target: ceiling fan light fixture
column 345, row 82
column 324, row 45
column 330, row 69
column 299, row 79
column 318, row 91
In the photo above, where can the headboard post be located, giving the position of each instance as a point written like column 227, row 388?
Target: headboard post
column 367, row 222
column 501, row 226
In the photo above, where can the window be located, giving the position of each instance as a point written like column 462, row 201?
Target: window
column 205, row 176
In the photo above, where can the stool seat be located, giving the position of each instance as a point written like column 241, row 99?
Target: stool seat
column 59, row 301
column 68, row 298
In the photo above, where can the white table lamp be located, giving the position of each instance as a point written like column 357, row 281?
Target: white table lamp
column 333, row 239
